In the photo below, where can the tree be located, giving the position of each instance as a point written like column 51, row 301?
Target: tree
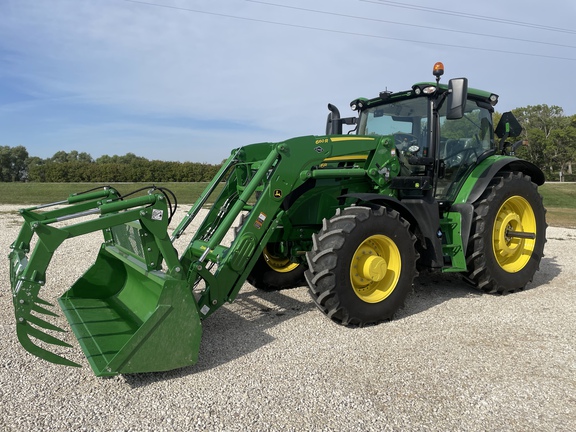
column 59, row 157
column 104, row 159
column 74, row 166
column 131, row 158
column 561, row 147
column 35, row 171
column 13, row 163
column 551, row 137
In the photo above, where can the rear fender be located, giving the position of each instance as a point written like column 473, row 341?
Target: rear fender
column 478, row 181
column 480, row 178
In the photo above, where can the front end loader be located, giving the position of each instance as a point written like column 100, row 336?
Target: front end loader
column 124, row 310
column 420, row 182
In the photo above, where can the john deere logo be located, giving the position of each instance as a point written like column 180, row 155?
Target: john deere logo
column 277, row 193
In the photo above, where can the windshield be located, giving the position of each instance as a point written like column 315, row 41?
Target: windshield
column 407, row 120
column 462, row 141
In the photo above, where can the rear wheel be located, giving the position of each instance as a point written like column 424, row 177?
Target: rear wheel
column 508, row 235
column 362, row 265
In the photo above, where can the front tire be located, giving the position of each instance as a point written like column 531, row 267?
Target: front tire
column 508, row 234
column 362, row 265
column 273, row 272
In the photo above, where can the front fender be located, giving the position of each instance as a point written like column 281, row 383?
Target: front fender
column 421, row 213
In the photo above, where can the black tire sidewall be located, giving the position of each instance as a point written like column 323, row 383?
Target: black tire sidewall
column 514, row 186
column 265, row 278
column 393, row 228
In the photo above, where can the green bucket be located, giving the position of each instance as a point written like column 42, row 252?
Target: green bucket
column 129, row 319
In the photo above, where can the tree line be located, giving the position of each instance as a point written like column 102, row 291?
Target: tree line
column 551, row 137
column 550, row 134
column 17, row 165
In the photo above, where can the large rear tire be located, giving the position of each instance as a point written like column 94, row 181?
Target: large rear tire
column 362, row 265
column 508, row 234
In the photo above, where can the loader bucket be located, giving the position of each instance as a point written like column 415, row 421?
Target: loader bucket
column 132, row 310
column 129, row 320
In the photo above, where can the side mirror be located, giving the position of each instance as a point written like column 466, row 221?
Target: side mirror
column 508, row 126
column 457, row 94
column 333, row 123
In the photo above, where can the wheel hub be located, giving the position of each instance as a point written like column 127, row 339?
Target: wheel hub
column 514, row 234
column 505, row 244
column 375, row 268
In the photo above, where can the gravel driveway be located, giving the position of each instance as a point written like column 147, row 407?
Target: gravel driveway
column 454, row 359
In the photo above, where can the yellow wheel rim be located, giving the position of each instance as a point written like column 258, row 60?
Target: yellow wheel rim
column 281, row 265
column 515, row 215
column 375, row 268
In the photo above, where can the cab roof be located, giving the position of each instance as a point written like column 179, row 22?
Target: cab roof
column 418, row 90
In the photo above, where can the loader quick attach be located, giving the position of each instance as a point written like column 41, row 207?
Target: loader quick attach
column 419, row 182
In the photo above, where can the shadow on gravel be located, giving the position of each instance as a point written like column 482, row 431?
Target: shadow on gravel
column 241, row 327
column 234, row 331
column 549, row 270
column 433, row 289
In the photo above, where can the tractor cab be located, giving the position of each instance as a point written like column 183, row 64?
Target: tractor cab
column 441, row 131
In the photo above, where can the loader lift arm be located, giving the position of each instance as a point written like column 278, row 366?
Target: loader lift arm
column 274, row 171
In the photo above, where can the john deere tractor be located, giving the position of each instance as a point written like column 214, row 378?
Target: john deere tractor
column 422, row 180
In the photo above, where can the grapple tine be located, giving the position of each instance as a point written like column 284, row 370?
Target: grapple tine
column 34, row 332
column 23, row 330
column 44, row 302
column 40, row 309
column 41, row 323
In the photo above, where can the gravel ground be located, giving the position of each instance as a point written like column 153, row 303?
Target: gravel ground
column 454, row 359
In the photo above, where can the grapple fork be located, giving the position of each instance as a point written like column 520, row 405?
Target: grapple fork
column 129, row 313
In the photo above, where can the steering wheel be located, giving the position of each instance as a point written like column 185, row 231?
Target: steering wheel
column 460, row 157
column 404, row 140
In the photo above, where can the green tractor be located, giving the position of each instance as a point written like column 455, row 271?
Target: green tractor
column 419, row 182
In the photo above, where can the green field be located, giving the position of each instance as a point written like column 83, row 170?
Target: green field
column 39, row 193
column 560, row 201
column 559, row 198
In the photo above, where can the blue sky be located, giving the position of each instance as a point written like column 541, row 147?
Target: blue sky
column 190, row 80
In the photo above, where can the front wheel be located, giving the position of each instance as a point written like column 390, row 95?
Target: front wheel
column 508, row 235
column 273, row 271
column 362, row 265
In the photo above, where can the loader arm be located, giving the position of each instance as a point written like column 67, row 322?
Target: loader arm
column 272, row 170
